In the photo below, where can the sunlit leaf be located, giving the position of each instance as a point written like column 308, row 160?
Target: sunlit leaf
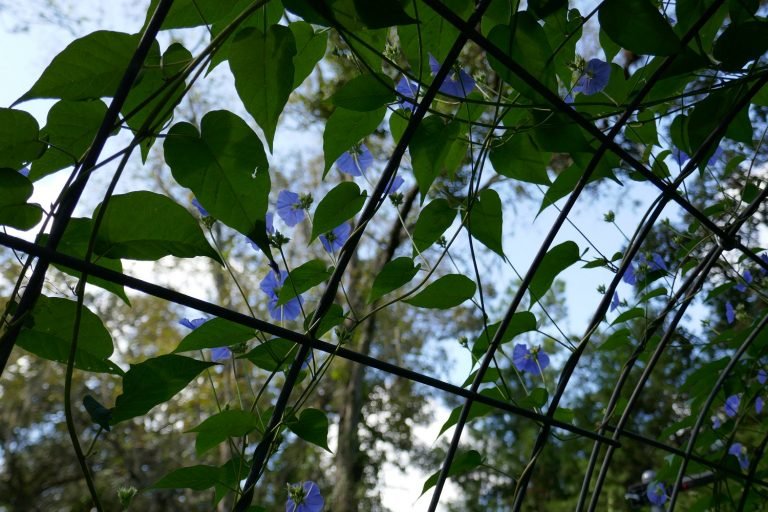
column 311, row 426
column 346, row 128
column 433, row 220
column 486, row 220
column 302, row 278
column 221, row 426
column 339, row 205
column 555, row 261
column 365, row 93
column 463, row 463
column 393, row 275
column 19, row 138
column 15, row 212
column 216, row 332
column 447, row 292
column 647, row 33
column 430, row 148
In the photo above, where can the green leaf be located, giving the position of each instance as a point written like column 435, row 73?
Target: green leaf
column 15, row 190
column 226, row 168
column 522, row 321
column 485, row 220
column 19, row 138
column 88, row 68
column 303, row 278
column 310, row 48
column 521, row 159
column 344, row 129
column 707, row 115
column 263, row 69
column 433, row 220
column 198, row 478
column 535, row 399
column 365, row 93
column 70, row 130
column 393, row 275
column 463, row 463
column 333, row 317
column 153, row 382
column 340, row 204
column 221, row 426
column 312, row 426
column 740, row 43
column 192, row 13
column 216, row 332
column 144, row 225
column 48, row 334
column 646, row 33
column 525, row 41
column 630, row 314
column 74, row 243
column 99, row 414
column 382, row 14
column 555, row 261
column 447, row 292
column 273, row 355
column 175, row 59
column 430, row 147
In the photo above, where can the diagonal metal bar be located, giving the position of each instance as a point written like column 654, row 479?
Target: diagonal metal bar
column 72, row 194
column 278, row 331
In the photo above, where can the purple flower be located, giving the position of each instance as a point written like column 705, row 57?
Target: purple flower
column 271, row 285
column 759, row 405
column 762, row 376
column 336, row 239
column 764, row 257
column 732, row 405
column 270, row 220
column 730, row 314
column 594, row 79
column 408, row 91
column 203, row 211
column 657, row 262
column 394, row 184
column 532, row 360
column 304, row 497
column 453, row 86
column 24, row 171
column 615, row 301
column 629, row 276
column 220, row 353
column 656, row 493
column 355, row 161
column 740, row 453
column 289, row 207
column 192, row 324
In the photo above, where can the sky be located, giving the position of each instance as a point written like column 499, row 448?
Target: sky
column 24, row 54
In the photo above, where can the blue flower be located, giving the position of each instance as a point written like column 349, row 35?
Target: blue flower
column 304, row 497
column 594, row 79
column 336, row 239
column 716, row 422
column 740, row 453
column 408, row 91
column 532, row 360
column 657, row 262
column 656, row 493
column 747, row 277
column 24, row 171
column 764, row 257
column 394, row 184
column 732, row 405
column 289, row 207
column 762, row 376
column 759, row 403
column 451, row 85
column 730, row 314
column 271, row 285
column 615, row 301
column 220, row 353
column 192, row 324
column 629, row 276
column 355, row 161
column 681, row 156
column 203, row 211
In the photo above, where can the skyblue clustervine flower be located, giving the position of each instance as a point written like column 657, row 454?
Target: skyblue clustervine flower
column 629, row 276
column 532, row 360
column 394, row 184
column 304, row 497
column 203, row 212
column 657, row 262
column 335, row 240
column 271, row 285
column 656, row 493
column 681, row 156
column 738, row 451
column 408, row 91
column 355, row 161
column 220, row 353
column 289, row 207
column 594, row 79
column 732, row 405
column 217, row 354
column 458, row 85
column 762, row 376
column 615, row 301
column 747, row 280
column 730, row 313
column 192, row 324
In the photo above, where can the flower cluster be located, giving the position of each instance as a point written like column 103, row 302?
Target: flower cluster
column 594, row 77
column 304, row 497
column 458, row 83
column 656, row 493
column 355, row 161
column 335, row 239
